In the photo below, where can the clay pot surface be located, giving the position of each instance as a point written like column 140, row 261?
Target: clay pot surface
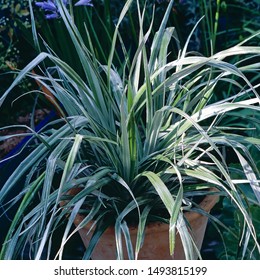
column 156, row 240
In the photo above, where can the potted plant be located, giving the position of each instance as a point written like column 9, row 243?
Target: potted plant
column 136, row 146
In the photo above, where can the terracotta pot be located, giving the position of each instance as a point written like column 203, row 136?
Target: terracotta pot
column 156, row 241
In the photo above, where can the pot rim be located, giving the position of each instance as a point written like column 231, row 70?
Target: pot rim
column 206, row 205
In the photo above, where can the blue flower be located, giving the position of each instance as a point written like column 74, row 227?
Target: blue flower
column 48, row 6
column 52, row 10
column 84, row 3
column 51, row 16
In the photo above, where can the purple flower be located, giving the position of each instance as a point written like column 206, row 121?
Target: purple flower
column 52, row 10
column 52, row 16
column 84, row 3
column 47, row 6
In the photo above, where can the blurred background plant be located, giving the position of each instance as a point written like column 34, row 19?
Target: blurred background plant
column 224, row 242
column 225, row 24
column 15, row 52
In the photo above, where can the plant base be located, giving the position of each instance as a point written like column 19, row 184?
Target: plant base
column 156, row 241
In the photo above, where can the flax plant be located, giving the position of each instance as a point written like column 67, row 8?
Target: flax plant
column 138, row 143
